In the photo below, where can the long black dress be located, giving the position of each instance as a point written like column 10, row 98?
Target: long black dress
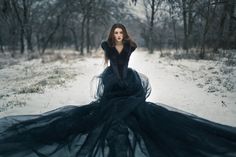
column 120, row 123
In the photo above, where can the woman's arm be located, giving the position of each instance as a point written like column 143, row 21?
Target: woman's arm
column 133, row 46
column 105, row 47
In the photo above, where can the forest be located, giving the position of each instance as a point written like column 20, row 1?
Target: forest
column 199, row 27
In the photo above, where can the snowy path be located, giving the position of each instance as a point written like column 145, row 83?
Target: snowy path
column 183, row 84
column 177, row 87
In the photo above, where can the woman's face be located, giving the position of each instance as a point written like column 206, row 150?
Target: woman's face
column 118, row 34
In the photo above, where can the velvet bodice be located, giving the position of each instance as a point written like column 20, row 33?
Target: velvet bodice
column 119, row 61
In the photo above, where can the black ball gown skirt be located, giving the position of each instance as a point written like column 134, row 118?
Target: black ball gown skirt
column 120, row 123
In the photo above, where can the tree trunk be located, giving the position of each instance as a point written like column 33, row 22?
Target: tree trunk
column 185, row 44
column 88, row 34
column 220, row 39
column 22, row 32
column 1, row 45
column 174, row 30
column 29, row 40
column 51, row 35
column 82, row 37
column 22, row 45
column 27, row 27
column 151, row 49
column 231, row 30
column 206, row 28
column 75, row 39
column 38, row 42
column 190, row 21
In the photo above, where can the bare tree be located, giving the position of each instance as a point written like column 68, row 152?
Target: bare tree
column 151, row 8
column 173, row 12
column 232, row 25
column 208, row 15
column 227, row 18
column 188, row 20
column 22, row 11
column 41, row 24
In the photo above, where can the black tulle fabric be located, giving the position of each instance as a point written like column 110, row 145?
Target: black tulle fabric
column 120, row 123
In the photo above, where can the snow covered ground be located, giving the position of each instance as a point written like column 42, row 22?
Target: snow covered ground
column 204, row 88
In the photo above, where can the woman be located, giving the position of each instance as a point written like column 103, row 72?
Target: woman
column 120, row 123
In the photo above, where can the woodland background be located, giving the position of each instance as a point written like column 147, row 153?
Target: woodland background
column 34, row 26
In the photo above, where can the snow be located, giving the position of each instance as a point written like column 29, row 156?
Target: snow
column 204, row 88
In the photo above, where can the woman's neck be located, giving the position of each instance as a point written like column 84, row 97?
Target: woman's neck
column 119, row 43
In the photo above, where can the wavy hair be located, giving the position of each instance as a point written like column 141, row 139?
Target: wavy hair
column 111, row 37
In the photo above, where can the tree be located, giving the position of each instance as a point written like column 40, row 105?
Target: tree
column 188, row 20
column 208, row 15
column 151, row 8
